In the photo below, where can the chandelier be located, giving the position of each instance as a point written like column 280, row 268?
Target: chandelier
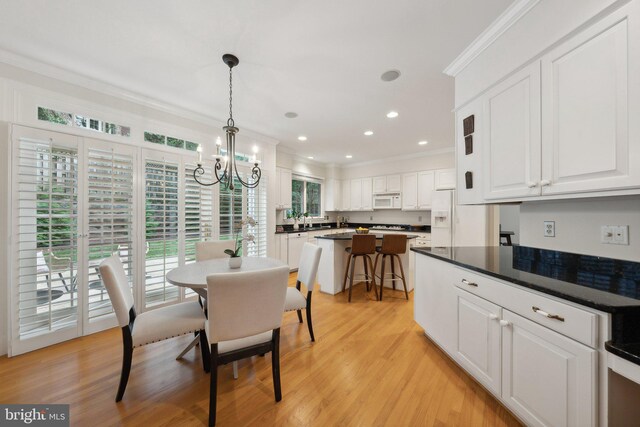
column 227, row 173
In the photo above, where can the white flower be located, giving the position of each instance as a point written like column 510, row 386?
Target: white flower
column 250, row 238
column 250, row 221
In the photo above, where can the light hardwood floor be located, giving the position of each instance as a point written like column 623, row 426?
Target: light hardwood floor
column 371, row 365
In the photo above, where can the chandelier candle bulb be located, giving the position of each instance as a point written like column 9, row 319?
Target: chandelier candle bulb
column 199, row 149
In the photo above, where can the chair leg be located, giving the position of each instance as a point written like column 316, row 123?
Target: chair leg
column 346, row 273
column 392, row 258
column 308, row 311
column 351, row 273
column 213, row 385
column 299, row 315
column 384, row 257
column 204, row 349
column 367, row 282
column 127, row 356
column 373, row 277
column 275, row 364
column 404, row 282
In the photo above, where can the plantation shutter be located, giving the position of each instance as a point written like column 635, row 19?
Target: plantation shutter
column 161, row 234
column 110, row 200
column 45, row 229
column 257, row 209
column 231, row 209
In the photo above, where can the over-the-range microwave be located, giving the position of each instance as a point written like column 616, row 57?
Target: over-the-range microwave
column 387, row 201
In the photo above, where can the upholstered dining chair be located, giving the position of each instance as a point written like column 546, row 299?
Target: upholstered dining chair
column 307, row 271
column 148, row 327
column 245, row 314
column 213, row 249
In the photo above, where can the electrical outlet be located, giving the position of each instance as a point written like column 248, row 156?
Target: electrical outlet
column 370, row 217
column 606, row 234
column 621, row 235
column 420, row 218
column 549, row 229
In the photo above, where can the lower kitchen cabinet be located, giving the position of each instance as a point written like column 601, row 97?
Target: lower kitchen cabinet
column 478, row 345
column 548, row 379
column 295, row 243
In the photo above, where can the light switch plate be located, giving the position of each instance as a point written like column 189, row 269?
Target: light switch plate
column 549, row 229
column 606, row 234
column 621, row 235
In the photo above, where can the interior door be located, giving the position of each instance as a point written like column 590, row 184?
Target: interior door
column 511, row 157
column 549, row 379
column 590, row 94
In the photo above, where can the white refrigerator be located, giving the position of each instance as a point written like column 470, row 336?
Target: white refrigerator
column 457, row 225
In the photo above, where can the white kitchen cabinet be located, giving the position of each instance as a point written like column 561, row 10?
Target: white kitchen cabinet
column 387, row 184
column 469, row 155
column 367, row 194
column 435, row 301
column 548, row 379
column 511, row 157
column 283, row 188
column 281, row 247
column 346, row 195
column 333, row 195
column 295, row 243
column 356, row 194
column 590, row 105
column 478, row 347
column 445, row 179
column 426, row 185
column 410, row 191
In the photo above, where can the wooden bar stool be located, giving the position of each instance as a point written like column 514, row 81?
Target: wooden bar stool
column 393, row 245
column 362, row 245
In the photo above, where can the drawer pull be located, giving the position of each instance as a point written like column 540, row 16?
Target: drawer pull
column 504, row 323
column 493, row 316
column 545, row 314
column 466, row 282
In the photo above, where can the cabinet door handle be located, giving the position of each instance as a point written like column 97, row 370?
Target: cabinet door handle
column 545, row 314
column 493, row 316
column 504, row 323
column 466, row 282
column 545, row 183
column 532, row 184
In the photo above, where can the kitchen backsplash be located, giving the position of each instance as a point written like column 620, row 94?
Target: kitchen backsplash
column 375, row 217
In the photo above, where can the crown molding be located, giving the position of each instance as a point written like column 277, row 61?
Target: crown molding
column 401, row 157
column 505, row 21
column 77, row 79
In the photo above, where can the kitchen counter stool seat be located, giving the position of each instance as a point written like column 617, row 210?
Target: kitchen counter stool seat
column 362, row 246
column 393, row 245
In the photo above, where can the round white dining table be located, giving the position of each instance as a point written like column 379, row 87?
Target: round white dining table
column 194, row 275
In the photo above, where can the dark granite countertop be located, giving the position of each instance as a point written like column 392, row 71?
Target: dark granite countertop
column 606, row 284
column 347, row 236
column 288, row 228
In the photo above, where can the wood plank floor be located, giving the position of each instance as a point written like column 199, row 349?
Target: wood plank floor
column 371, row 365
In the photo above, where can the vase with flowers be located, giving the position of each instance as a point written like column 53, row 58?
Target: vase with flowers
column 235, row 255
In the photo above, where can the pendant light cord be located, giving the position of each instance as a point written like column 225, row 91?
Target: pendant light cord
column 230, row 122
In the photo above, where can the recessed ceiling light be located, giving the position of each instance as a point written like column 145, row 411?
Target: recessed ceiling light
column 423, row 142
column 348, row 156
column 392, row 114
column 389, row 76
column 302, row 138
column 368, row 132
column 290, row 115
column 310, row 157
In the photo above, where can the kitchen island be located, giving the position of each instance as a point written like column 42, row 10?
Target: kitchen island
column 334, row 261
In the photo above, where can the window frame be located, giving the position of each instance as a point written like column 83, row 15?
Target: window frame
column 306, row 179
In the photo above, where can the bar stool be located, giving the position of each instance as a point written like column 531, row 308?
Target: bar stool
column 362, row 245
column 393, row 245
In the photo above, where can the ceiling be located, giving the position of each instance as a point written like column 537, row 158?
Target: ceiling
column 320, row 59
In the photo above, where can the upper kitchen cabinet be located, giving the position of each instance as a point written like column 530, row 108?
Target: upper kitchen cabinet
column 417, row 189
column 387, row 184
column 283, row 188
column 333, row 195
column 445, row 179
column 590, row 106
column 367, row 194
column 356, row 194
column 511, row 122
column 361, row 194
column 469, row 153
column 346, row 195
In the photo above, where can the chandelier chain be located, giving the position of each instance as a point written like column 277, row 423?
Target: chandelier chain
column 231, row 96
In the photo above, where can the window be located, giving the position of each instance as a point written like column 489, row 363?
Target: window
column 170, row 141
column 306, row 196
column 49, row 115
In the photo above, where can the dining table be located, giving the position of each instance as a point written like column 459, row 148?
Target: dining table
column 194, row 276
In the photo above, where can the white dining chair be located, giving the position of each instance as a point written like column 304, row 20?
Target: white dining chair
column 213, row 249
column 148, row 327
column 245, row 315
column 307, row 271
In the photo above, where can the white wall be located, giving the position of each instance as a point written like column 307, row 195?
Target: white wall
column 510, row 221
column 578, row 225
column 545, row 24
